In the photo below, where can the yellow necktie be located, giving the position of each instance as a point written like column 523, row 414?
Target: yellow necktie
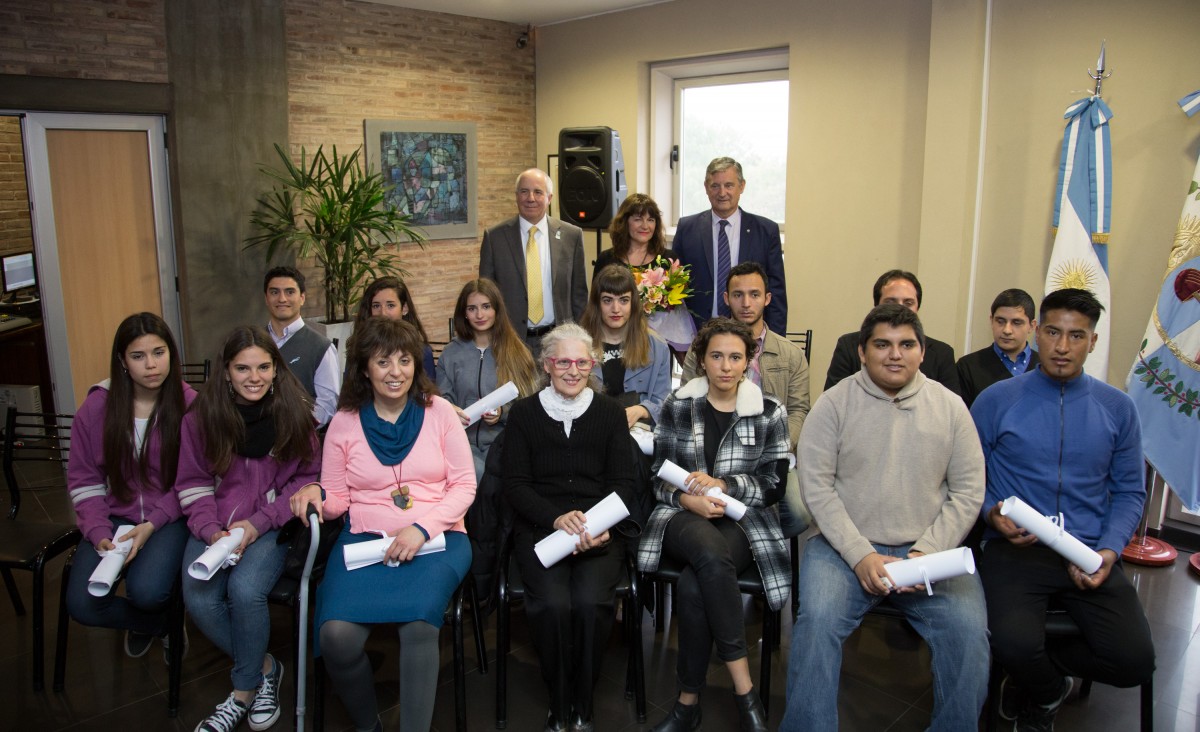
column 533, row 278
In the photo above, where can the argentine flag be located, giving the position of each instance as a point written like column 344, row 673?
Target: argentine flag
column 1081, row 216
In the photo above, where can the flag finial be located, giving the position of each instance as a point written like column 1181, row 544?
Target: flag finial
column 1101, row 73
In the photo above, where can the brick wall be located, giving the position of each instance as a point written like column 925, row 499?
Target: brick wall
column 349, row 61
column 15, row 232
column 117, row 40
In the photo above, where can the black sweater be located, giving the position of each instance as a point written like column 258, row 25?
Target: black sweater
column 547, row 474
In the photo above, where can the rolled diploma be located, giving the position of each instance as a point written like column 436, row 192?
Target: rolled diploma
column 1051, row 534
column 494, row 400
column 215, row 557
column 931, row 568
column 673, row 474
column 644, row 440
column 105, row 575
column 602, row 517
column 734, row 508
column 366, row 553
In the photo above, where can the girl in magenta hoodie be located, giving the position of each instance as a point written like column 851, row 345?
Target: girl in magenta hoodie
column 248, row 444
column 124, row 453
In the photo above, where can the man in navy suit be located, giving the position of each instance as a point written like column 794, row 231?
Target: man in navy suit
column 714, row 241
column 558, row 258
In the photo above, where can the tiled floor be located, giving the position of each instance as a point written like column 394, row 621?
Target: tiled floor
column 885, row 678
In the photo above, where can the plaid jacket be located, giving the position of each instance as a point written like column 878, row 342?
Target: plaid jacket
column 745, row 461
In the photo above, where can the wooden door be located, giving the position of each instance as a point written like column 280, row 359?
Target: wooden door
column 102, row 237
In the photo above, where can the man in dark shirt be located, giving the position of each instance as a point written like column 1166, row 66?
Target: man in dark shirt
column 1009, row 353
column 902, row 288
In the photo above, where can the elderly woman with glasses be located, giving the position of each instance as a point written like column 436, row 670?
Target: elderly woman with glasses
column 566, row 448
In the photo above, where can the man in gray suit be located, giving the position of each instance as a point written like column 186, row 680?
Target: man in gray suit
column 535, row 242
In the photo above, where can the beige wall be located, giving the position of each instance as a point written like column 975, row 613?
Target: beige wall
column 883, row 138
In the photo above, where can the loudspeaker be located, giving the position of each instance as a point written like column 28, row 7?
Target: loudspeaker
column 591, row 176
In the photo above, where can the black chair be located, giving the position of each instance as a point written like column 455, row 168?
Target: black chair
column 803, row 339
column 749, row 583
column 175, row 636
column 28, row 545
column 511, row 588
column 196, row 373
column 1059, row 625
column 454, row 616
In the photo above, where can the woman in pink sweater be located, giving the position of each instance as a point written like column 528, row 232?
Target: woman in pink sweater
column 396, row 457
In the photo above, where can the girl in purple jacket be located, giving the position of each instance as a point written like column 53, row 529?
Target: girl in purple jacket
column 124, row 453
column 248, row 444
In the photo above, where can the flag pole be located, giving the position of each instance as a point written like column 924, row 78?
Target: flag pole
column 1147, row 550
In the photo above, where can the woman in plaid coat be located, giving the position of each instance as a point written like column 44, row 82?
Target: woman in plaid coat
column 728, row 435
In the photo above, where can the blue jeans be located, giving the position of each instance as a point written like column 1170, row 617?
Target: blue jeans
column 832, row 604
column 149, row 579
column 231, row 608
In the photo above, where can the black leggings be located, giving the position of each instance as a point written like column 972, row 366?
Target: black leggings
column 707, row 600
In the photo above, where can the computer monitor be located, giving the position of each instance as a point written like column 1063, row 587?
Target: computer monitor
column 18, row 271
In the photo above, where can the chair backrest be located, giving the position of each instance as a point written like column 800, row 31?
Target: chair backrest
column 196, row 373
column 802, row 338
column 32, row 437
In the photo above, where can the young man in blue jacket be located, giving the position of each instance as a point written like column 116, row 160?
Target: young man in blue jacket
column 1069, row 446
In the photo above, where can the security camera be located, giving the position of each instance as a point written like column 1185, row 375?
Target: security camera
column 523, row 40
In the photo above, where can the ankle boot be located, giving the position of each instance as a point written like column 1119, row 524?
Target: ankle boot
column 682, row 718
column 750, row 712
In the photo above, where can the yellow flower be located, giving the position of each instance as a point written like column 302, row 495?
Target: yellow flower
column 675, row 296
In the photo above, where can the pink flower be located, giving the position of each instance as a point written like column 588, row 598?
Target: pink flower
column 653, row 277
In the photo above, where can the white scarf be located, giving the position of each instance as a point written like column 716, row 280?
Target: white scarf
column 562, row 409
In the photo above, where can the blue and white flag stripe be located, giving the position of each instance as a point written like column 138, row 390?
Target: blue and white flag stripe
column 1191, row 104
column 1082, row 208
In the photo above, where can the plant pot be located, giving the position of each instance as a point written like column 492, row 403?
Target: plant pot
column 339, row 333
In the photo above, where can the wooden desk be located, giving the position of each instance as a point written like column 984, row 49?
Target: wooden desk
column 23, row 360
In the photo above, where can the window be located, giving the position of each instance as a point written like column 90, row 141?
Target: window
column 734, row 106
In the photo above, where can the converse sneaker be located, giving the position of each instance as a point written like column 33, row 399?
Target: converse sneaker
column 228, row 715
column 136, row 644
column 264, row 712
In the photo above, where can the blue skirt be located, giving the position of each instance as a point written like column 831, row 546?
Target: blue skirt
column 416, row 590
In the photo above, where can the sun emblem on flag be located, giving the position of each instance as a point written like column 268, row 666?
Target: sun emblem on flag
column 1079, row 274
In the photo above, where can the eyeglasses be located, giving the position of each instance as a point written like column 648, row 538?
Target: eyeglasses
column 564, row 364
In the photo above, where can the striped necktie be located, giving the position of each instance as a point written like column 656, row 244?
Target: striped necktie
column 723, row 266
column 533, row 278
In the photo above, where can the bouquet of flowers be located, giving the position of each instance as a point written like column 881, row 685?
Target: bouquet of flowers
column 663, row 285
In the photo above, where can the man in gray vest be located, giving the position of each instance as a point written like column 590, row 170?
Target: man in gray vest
column 308, row 354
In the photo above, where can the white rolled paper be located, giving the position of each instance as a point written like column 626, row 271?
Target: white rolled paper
column 1052, row 534
column 105, row 575
column 734, row 508
column 366, row 553
column 219, row 555
column 673, row 474
column 644, row 440
column 492, row 401
column 930, row 568
column 602, row 517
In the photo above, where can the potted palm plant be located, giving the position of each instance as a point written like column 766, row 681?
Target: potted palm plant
column 333, row 209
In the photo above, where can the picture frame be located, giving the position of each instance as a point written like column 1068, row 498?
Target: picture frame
column 432, row 168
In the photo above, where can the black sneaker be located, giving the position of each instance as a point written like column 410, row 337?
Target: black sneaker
column 264, row 712
column 1012, row 698
column 136, row 644
column 1038, row 718
column 228, row 715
